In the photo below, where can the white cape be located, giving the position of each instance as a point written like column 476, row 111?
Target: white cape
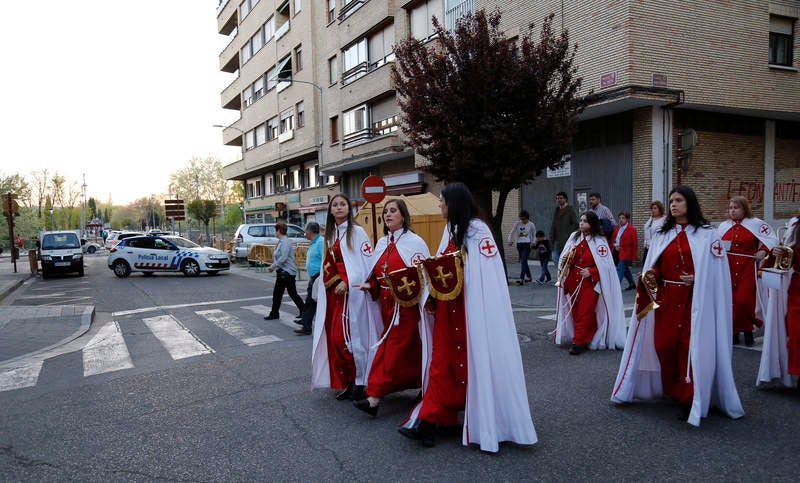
column 609, row 310
column 766, row 235
column 365, row 317
column 497, row 407
column 774, row 353
column 711, row 339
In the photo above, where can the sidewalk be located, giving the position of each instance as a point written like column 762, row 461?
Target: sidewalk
column 28, row 330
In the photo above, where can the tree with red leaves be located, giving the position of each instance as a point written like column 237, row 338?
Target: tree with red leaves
column 485, row 110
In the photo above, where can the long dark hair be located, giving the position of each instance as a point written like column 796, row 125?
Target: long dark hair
column 461, row 208
column 401, row 206
column 330, row 222
column 594, row 225
column 693, row 212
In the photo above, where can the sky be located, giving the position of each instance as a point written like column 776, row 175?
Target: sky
column 123, row 91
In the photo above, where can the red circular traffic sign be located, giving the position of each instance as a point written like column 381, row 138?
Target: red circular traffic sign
column 373, row 189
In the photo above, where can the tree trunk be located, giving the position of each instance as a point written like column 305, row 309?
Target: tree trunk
column 494, row 218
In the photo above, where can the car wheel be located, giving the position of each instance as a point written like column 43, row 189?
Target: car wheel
column 91, row 250
column 190, row 268
column 121, row 269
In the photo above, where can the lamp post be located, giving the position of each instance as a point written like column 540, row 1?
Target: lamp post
column 283, row 77
column 52, row 220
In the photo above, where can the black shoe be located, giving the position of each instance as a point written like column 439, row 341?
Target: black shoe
column 272, row 317
column 359, row 393
column 298, row 320
column 576, row 349
column 736, row 339
column 749, row 339
column 410, row 433
column 346, row 394
column 302, row 331
column 363, row 405
column 427, row 433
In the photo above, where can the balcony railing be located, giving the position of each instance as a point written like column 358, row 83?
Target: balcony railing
column 282, row 30
column 364, row 68
column 376, row 129
column 351, row 7
column 454, row 13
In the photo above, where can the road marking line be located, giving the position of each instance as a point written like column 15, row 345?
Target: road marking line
column 180, row 306
column 247, row 333
column 17, row 378
column 106, row 352
column 262, row 310
column 176, row 339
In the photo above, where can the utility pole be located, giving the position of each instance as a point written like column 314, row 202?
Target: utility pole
column 83, row 207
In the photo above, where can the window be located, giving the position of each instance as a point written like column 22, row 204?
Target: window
column 421, row 24
column 246, row 53
column 257, row 41
column 282, row 180
column 255, row 187
column 301, row 114
column 272, row 78
column 272, row 128
column 331, row 10
column 298, row 58
column 249, row 140
column 381, row 47
column 284, row 71
column 334, row 129
column 298, row 6
column 247, row 95
column 258, row 88
column 310, row 177
column 259, row 188
column 332, row 71
column 244, row 8
column 269, row 29
column 781, row 40
column 294, row 178
column 261, row 134
column 269, row 185
column 355, row 120
column 287, row 121
column 355, row 54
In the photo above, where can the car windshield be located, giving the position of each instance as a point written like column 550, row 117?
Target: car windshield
column 182, row 242
column 58, row 241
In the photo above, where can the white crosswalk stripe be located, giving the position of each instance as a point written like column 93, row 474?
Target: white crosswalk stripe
column 106, row 352
column 176, row 339
column 263, row 310
column 23, row 376
column 247, row 333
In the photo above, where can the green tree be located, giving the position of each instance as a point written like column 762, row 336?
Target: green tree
column 486, row 110
column 92, row 204
column 200, row 178
column 203, row 210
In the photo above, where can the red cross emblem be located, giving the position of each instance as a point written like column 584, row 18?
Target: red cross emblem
column 366, row 249
column 602, row 251
column 716, row 249
column 417, row 258
column 486, row 247
column 765, row 229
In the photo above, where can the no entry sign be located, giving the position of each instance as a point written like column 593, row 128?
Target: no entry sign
column 373, row 189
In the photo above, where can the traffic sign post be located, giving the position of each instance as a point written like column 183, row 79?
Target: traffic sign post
column 373, row 189
column 174, row 209
column 10, row 209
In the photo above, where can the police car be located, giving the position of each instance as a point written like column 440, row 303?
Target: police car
column 150, row 254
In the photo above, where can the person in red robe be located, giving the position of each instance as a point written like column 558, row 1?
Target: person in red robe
column 397, row 365
column 792, row 304
column 581, row 275
column 745, row 253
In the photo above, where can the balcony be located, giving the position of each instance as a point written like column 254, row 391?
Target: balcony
column 229, row 57
column 227, row 17
column 377, row 129
column 454, row 13
column 281, row 31
column 351, row 7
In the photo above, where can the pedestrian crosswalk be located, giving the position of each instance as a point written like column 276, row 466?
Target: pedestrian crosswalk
column 110, row 348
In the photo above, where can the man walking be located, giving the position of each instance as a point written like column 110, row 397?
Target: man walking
column 607, row 222
column 313, row 263
column 565, row 221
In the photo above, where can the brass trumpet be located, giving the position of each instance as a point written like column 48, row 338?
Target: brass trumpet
column 652, row 289
column 783, row 262
column 565, row 269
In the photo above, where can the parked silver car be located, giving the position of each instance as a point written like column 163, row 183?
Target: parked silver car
column 263, row 234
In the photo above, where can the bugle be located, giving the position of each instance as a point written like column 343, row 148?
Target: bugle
column 784, row 261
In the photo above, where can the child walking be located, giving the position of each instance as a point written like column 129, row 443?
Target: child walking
column 544, row 251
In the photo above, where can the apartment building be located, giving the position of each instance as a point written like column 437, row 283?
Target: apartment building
column 700, row 93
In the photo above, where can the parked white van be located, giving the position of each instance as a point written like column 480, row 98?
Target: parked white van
column 60, row 251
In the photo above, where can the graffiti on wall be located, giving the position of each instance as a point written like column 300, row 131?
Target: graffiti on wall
column 786, row 197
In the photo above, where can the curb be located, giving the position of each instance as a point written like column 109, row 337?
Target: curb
column 15, row 285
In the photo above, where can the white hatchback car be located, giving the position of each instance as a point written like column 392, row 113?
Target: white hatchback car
column 261, row 233
column 150, row 254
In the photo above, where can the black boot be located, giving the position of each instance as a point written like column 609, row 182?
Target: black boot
column 736, row 339
column 424, row 432
column 686, row 410
column 363, row 405
column 577, row 350
column 749, row 340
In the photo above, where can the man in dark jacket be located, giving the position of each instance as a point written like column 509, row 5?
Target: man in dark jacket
column 565, row 221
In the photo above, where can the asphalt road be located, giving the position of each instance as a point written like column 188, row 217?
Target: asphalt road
column 235, row 403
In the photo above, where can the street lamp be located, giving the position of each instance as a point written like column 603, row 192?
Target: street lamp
column 52, row 221
column 286, row 76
